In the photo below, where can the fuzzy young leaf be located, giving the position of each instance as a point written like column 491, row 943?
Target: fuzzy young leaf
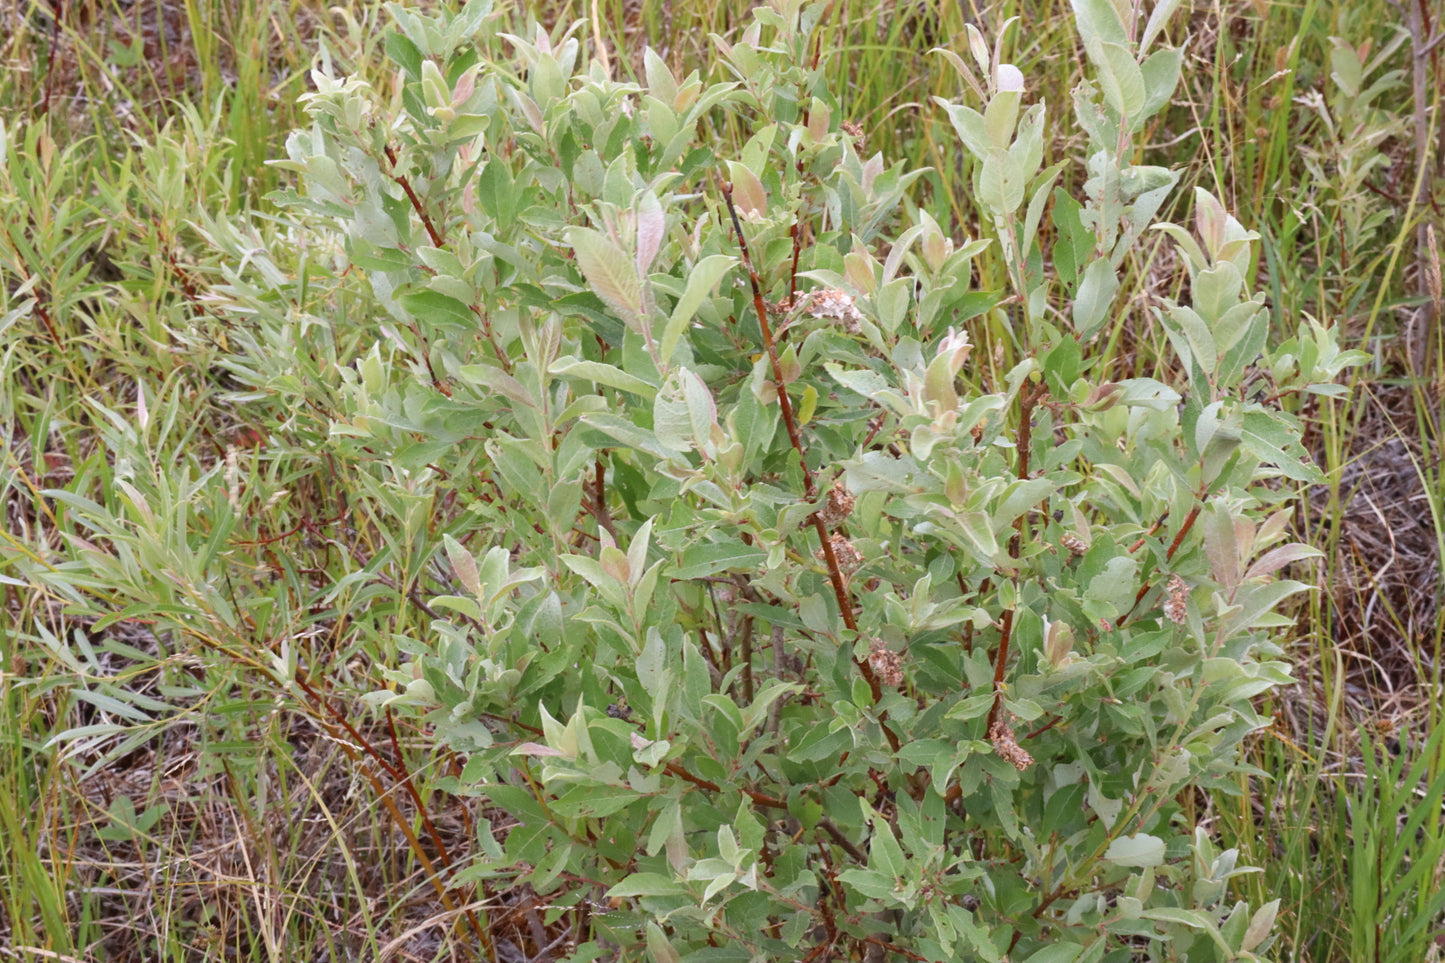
column 608, row 271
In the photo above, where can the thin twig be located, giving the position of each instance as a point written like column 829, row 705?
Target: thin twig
column 437, row 240
column 334, row 719
column 810, row 488
column 784, row 402
column 1028, row 399
column 844, row 843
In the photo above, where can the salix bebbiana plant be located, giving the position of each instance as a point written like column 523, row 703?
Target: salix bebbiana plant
column 774, row 627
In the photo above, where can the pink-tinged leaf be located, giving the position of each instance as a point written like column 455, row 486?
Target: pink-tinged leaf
column 1220, row 547
column 463, row 564
column 466, row 84
column 1210, row 220
column 1261, row 923
column 749, row 197
column 859, row 268
column 871, row 169
column 819, row 118
column 1244, row 532
column 651, row 223
column 1273, row 526
column 614, row 562
column 529, row 109
column 608, row 272
column 791, row 367
column 535, row 749
column 1276, row 559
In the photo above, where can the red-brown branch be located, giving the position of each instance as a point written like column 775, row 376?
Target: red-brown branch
column 1028, row 399
column 810, row 488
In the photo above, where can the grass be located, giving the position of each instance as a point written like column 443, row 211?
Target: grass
column 163, row 797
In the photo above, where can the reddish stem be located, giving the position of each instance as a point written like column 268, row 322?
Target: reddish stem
column 1173, row 547
column 334, row 719
column 1028, row 399
column 436, row 236
column 784, row 402
column 810, row 488
column 1145, row 537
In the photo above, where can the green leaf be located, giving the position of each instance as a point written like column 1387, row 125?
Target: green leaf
column 969, row 125
column 1254, row 604
column 1121, row 79
column 1259, row 925
column 666, row 829
column 1000, row 117
column 1148, row 393
column 551, row 865
column 703, row 277
column 1191, row 337
column 1096, row 295
column 499, row 382
column 1138, row 850
column 977, row 937
column 1194, row 919
column 1057, row 953
column 1116, row 585
column 979, row 532
column 884, row 853
column 1001, row 182
column 1274, row 441
column 711, row 558
column 1098, row 19
column 1161, row 76
column 1158, row 18
column 458, row 603
column 684, row 413
column 651, row 666
column 1042, row 186
column 660, row 80
column 599, row 373
column 400, row 50
column 1215, row 291
column 497, row 194
column 435, row 308
column 659, row 947
column 1019, row 498
column 871, row 884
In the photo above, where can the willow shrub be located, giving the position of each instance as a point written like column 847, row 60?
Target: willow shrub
column 778, row 626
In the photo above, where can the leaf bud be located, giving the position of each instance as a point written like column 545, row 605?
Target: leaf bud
column 957, row 347
column 1058, row 643
column 1102, row 397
